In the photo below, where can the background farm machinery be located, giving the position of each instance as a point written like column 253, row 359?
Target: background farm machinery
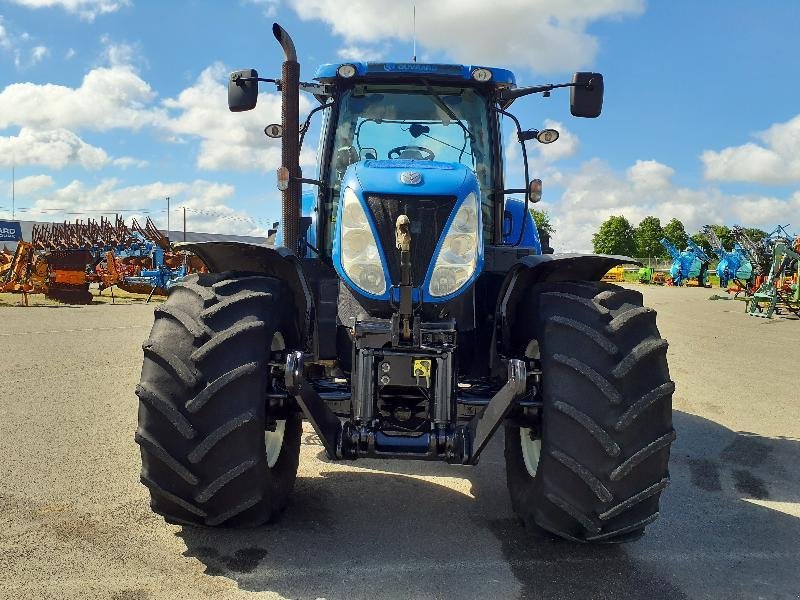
column 733, row 266
column 778, row 287
column 63, row 259
column 690, row 264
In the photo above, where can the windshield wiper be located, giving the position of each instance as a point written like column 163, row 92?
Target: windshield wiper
column 437, row 99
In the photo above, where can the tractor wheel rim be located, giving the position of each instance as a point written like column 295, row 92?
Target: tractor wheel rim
column 273, row 440
column 531, row 450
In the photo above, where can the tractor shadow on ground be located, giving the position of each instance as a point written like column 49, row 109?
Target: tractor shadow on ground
column 384, row 529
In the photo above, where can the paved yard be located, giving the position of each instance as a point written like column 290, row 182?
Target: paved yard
column 75, row 522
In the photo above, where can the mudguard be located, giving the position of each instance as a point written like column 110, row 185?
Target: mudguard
column 540, row 268
column 253, row 258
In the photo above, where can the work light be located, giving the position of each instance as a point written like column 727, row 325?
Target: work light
column 346, row 71
column 481, row 75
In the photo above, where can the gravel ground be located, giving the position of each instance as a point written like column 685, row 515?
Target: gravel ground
column 75, row 522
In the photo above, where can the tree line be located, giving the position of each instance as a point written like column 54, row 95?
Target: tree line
column 617, row 235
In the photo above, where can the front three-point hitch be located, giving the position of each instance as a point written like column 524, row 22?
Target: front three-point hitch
column 361, row 435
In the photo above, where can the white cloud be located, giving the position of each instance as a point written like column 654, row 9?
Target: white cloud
column 70, row 54
column 32, row 184
column 650, row 175
column 38, row 53
column 85, row 9
column 544, row 35
column 205, row 202
column 595, row 191
column 128, row 161
column 269, row 7
column 108, row 97
column 54, row 148
column 5, row 38
column 776, row 160
column 228, row 140
column 120, row 53
column 360, row 53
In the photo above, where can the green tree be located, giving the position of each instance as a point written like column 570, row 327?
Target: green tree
column 542, row 220
column 615, row 236
column 699, row 239
column 647, row 236
column 675, row 233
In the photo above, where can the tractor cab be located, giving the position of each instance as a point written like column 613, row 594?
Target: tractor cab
column 412, row 112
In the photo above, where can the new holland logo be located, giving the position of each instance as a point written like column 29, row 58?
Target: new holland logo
column 411, row 177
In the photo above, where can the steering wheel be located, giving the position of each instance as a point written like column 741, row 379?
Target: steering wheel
column 396, row 152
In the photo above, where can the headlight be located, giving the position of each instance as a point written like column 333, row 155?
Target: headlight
column 359, row 251
column 458, row 255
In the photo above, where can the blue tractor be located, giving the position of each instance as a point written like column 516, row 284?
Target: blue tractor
column 407, row 312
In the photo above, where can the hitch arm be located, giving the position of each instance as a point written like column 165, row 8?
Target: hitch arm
column 482, row 427
column 323, row 419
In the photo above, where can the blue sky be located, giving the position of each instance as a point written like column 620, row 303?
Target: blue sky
column 114, row 104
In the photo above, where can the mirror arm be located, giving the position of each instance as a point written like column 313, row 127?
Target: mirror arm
column 527, row 173
column 246, row 79
column 506, row 97
column 316, row 182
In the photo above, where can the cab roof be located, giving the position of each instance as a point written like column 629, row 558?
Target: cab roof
column 501, row 78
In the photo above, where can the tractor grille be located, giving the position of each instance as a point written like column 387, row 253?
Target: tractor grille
column 428, row 216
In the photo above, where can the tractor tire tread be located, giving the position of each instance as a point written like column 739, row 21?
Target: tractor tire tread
column 606, row 428
column 194, row 404
column 225, row 337
column 601, row 435
column 233, row 303
column 197, row 330
column 202, row 409
column 160, row 352
column 147, row 394
column 216, row 436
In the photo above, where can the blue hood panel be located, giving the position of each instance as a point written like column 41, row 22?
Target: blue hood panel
column 435, row 178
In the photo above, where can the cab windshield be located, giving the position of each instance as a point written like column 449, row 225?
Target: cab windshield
column 448, row 124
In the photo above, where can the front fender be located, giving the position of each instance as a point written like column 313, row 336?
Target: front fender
column 253, row 258
column 534, row 269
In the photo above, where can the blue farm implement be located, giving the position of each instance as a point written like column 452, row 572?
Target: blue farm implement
column 733, row 266
column 691, row 264
column 407, row 310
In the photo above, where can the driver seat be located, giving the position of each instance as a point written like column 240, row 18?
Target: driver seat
column 411, row 154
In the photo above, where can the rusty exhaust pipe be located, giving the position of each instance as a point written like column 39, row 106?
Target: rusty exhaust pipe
column 290, row 146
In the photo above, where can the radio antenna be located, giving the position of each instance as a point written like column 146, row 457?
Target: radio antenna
column 414, row 29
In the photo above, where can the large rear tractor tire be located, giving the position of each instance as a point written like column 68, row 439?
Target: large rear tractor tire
column 211, row 455
column 595, row 470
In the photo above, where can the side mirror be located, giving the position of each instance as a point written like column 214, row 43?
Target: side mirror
column 586, row 98
column 243, row 90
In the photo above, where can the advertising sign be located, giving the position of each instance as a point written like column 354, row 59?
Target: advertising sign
column 10, row 231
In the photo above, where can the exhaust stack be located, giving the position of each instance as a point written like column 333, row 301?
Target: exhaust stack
column 290, row 147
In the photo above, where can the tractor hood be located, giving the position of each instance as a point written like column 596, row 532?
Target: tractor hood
column 414, row 177
column 429, row 194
